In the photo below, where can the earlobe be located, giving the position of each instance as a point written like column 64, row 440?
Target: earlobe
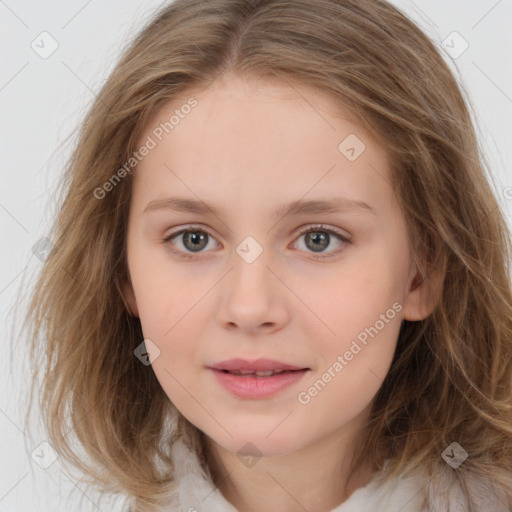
column 129, row 299
column 422, row 296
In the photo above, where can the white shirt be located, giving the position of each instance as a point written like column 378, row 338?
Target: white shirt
column 197, row 493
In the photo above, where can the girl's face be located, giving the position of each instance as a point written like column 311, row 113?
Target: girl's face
column 247, row 283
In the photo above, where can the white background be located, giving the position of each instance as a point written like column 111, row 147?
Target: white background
column 42, row 102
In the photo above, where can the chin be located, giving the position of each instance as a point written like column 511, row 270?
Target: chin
column 257, row 443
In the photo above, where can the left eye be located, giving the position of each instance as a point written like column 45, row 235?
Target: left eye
column 195, row 240
column 317, row 238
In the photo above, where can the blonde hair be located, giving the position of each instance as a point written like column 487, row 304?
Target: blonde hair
column 450, row 379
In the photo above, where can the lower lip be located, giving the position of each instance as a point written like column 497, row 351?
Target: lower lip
column 257, row 387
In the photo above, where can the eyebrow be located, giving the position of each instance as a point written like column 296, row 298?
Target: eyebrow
column 299, row 207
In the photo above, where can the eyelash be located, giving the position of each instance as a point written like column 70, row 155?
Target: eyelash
column 312, row 229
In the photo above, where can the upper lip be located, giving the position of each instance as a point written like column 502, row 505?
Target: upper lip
column 257, row 365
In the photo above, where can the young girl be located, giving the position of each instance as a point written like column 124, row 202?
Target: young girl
column 280, row 277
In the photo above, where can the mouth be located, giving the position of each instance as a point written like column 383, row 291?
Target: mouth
column 257, row 379
column 267, row 373
column 259, row 367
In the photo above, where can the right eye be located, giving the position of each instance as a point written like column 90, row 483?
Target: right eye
column 193, row 240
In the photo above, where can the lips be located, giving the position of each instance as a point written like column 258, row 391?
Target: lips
column 258, row 379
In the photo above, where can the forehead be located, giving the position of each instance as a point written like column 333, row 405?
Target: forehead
column 260, row 134
column 250, row 103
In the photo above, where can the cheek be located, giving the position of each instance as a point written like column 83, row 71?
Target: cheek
column 354, row 360
column 347, row 303
column 357, row 315
column 164, row 292
column 178, row 364
column 172, row 315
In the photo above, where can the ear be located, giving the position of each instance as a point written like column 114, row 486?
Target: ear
column 129, row 298
column 423, row 293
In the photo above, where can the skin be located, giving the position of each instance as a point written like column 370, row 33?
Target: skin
column 248, row 147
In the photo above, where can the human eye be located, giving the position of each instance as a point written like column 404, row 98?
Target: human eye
column 193, row 238
column 320, row 235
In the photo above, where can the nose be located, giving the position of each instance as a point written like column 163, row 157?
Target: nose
column 253, row 296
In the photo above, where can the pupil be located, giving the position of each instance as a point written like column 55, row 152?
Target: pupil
column 318, row 237
column 194, row 237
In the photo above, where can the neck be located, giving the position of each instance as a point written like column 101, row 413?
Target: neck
column 316, row 477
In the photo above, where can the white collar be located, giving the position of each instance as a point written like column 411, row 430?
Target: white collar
column 197, row 493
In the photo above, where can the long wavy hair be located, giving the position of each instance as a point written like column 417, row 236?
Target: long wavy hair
column 451, row 377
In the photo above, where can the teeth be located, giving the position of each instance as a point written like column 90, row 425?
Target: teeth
column 267, row 373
